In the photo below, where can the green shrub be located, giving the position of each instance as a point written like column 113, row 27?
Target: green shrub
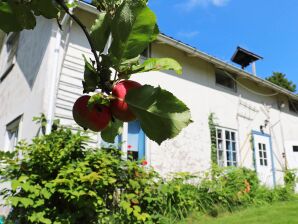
column 59, row 179
column 290, row 179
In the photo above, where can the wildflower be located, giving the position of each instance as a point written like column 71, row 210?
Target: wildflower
column 144, row 163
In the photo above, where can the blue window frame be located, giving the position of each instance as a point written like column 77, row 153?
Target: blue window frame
column 135, row 141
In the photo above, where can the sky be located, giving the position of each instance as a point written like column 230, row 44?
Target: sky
column 268, row 28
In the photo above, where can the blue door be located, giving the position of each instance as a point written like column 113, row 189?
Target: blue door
column 135, row 141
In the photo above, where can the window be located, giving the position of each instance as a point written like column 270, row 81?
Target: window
column 12, row 133
column 263, row 154
column 8, row 55
column 135, row 141
column 293, row 106
column 223, row 79
column 295, row 148
column 226, row 147
column 146, row 53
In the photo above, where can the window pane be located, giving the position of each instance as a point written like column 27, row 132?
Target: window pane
column 219, row 133
column 219, row 144
column 223, row 79
column 234, row 146
column 227, row 135
column 265, row 155
column 265, row 162
column 234, row 157
column 260, row 154
column 229, row 156
column 261, row 162
column 228, row 145
column 233, row 136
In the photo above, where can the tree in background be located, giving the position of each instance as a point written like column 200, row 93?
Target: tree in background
column 280, row 79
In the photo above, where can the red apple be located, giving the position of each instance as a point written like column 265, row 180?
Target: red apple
column 95, row 119
column 118, row 107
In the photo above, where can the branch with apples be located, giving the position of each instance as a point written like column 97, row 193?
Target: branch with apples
column 121, row 32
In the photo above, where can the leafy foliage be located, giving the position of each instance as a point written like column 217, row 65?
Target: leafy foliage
column 161, row 114
column 59, row 179
column 120, row 33
column 19, row 15
column 212, row 129
column 280, row 79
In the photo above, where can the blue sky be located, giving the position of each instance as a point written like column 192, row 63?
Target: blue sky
column 268, row 28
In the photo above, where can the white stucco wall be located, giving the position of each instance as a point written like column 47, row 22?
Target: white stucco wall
column 242, row 111
column 22, row 92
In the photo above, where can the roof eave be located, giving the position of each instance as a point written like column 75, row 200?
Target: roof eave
column 223, row 65
column 217, row 62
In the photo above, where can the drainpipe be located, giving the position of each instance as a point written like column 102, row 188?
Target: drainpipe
column 55, row 73
column 272, row 159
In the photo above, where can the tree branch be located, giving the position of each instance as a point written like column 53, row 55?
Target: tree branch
column 83, row 27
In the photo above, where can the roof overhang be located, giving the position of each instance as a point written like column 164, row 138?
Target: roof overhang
column 206, row 57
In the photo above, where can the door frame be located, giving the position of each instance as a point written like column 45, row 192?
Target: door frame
column 253, row 133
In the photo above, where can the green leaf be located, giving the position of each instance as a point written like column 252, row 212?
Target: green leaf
column 109, row 133
column 100, row 31
column 26, row 202
column 46, row 8
column 161, row 114
column 91, row 77
column 158, row 64
column 133, row 28
column 15, row 184
column 46, row 194
column 98, row 99
column 15, row 17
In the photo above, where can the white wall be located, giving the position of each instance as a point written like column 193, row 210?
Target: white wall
column 242, row 111
column 22, row 91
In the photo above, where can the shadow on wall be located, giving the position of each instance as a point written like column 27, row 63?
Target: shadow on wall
column 32, row 48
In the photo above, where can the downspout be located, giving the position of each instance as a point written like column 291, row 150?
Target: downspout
column 55, row 74
column 272, row 163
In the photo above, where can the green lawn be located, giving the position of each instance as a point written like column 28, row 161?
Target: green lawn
column 278, row 213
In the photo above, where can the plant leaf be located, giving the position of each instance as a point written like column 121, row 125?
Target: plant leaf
column 98, row 99
column 161, row 114
column 46, row 8
column 91, row 77
column 109, row 133
column 133, row 28
column 158, row 64
column 100, row 31
column 15, row 17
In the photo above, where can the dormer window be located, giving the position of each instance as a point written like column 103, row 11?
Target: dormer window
column 224, row 79
column 293, row 106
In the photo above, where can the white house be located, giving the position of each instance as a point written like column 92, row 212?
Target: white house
column 41, row 72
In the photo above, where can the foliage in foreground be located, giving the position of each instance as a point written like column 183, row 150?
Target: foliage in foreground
column 59, row 179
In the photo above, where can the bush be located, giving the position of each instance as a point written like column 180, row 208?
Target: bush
column 59, row 179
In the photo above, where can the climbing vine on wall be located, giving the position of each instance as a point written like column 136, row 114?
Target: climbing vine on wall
column 212, row 129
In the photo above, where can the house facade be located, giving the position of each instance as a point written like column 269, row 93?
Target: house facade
column 256, row 122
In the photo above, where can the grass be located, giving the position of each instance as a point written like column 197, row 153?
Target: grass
column 278, row 213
